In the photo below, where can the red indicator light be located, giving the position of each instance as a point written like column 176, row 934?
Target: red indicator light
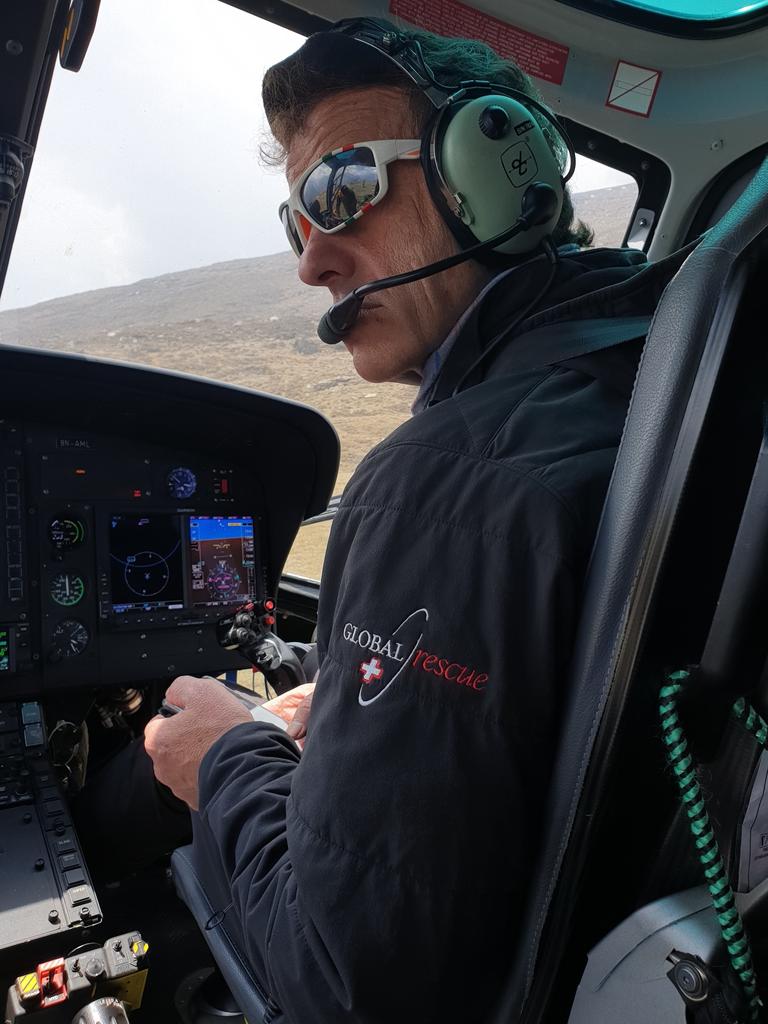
column 225, row 486
column 269, row 605
column 269, row 620
column 79, row 472
column 136, row 493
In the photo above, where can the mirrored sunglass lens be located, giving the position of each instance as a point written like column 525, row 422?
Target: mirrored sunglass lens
column 340, row 186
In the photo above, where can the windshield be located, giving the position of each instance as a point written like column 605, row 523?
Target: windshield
column 150, row 234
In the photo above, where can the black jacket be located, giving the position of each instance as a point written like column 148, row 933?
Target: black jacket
column 379, row 877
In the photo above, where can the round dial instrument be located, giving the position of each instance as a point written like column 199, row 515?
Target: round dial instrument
column 67, row 588
column 181, row 482
column 69, row 638
column 64, row 532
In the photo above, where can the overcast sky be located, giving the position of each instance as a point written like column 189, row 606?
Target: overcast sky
column 147, row 160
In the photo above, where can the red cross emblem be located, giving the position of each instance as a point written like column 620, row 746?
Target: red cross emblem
column 371, row 670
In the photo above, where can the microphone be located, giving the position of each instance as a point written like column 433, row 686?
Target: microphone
column 539, row 204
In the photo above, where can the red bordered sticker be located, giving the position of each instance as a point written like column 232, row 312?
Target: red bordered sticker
column 633, row 88
column 536, row 55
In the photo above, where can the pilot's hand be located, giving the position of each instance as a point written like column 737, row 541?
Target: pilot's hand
column 177, row 745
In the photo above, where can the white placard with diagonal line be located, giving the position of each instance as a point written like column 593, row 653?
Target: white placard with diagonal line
column 633, row 88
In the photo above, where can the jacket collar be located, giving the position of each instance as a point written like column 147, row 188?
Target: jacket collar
column 588, row 284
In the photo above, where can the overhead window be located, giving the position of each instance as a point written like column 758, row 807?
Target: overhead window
column 698, row 10
column 687, row 19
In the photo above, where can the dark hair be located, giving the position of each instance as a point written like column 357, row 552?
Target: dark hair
column 330, row 63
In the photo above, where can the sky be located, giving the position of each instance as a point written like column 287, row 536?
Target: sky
column 148, row 159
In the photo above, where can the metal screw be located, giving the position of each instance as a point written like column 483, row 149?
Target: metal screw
column 14, row 47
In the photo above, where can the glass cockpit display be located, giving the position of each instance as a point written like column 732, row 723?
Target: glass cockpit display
column 175, row 562
column 146, row 564
column 221, row 559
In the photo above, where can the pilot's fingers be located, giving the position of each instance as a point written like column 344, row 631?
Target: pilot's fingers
column 298, row 725
column 150, row 731
column 185, row 690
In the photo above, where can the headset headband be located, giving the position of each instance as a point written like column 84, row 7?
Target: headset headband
column 406, row 54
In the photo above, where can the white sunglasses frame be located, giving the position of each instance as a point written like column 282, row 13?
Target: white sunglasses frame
column 385, row 151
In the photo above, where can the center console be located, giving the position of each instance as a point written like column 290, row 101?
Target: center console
column 45, row 886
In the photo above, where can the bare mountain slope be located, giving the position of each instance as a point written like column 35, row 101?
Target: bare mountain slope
column 248, row 322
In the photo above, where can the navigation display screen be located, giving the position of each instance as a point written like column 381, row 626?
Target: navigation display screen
column 221, row 559
column 145, row 555
column 5, row 654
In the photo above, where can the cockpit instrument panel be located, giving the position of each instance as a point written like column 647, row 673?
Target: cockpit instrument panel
column 118, row 561
column 137, row 513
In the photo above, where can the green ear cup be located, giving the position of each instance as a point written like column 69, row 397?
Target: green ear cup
column 491, row 150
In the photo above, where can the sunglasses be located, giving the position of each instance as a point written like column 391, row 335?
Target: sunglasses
column 340, row 187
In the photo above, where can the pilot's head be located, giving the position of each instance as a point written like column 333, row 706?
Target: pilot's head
column 378, row 214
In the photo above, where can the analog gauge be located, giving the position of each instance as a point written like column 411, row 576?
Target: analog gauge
column 66, row 533
column 67, row 588
column 68, row 639
column 182, row 482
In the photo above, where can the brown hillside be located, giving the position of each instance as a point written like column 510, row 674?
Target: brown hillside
column 248, row 322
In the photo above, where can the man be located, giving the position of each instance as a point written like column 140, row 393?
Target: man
column 380, row 875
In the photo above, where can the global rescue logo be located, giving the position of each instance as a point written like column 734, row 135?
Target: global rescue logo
column 388, row 656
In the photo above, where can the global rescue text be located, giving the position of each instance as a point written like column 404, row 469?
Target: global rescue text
column 424, row 661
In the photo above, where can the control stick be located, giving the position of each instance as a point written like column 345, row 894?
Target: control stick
column 249, row 632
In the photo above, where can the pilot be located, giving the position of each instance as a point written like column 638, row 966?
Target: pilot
column 380, row 875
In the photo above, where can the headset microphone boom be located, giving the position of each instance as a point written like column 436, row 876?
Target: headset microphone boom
column 539, row 202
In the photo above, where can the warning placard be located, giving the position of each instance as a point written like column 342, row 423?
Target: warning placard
column 633, row 88
column 537, row 56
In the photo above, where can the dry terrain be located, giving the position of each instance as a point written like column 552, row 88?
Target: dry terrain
column 249, row 322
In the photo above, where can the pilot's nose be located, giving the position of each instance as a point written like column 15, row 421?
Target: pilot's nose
column 327, row 260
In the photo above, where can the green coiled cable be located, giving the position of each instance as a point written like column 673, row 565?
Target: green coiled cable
column 707, row 848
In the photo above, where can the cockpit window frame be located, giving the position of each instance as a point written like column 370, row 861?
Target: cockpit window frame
column 652, row 175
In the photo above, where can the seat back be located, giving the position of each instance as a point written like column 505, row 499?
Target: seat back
column 209, row 909
column 619, row 654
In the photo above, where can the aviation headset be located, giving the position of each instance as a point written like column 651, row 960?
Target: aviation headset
column 482, row 149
